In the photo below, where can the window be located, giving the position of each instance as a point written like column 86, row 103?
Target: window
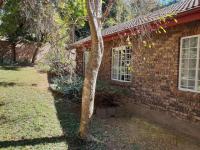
column 85, row 60
column 121, row 61
column 189, row 72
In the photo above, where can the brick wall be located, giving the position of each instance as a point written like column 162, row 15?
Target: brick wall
column 5, row 52
column 155, row 73
column 24, row 52
column 79, row 61
column 155, row 81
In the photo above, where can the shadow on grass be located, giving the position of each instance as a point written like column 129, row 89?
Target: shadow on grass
column 32, row 142
column 68, row 113
column 7, row 84
column 12, row 84
column 69, row 120
column 14, row 68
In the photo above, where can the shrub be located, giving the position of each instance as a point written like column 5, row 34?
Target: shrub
column 105, row 87
column 70, row 86
column 61, row 62
column 43, row 67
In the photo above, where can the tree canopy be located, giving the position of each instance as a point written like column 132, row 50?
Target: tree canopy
column 11, row 22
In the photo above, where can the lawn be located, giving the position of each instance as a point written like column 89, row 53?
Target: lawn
column 32, row 117
column 27, row 114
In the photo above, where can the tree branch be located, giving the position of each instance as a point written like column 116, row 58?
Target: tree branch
column 1, row 3
column 108, row 9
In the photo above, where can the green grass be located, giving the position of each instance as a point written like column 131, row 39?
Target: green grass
column 31, row 117
column 28, row 117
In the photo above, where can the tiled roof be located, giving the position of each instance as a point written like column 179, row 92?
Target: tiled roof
column 176, row 8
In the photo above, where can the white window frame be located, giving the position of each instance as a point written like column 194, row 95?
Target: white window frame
column 197, row 65
column 119, row 80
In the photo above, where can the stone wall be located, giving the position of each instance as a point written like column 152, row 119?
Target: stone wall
column 155, row 73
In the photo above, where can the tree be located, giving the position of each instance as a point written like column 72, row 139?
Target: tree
column 74, row 12
column 12, row 24
column 95, row 17
column 27, row 20
column 94, row 9
column 34, row 20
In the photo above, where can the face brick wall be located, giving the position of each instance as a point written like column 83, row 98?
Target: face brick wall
column 24, row 52
column 79, row 61
column 155, row 73
column 5, row 52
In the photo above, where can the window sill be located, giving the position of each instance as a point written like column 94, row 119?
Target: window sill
column 188, row 90
column 121, row 81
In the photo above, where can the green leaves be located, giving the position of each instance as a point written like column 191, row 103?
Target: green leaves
column 11, row 21
column 74, row 11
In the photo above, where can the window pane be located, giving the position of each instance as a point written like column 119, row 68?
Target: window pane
column 198, row 86
column 199, row 75
column 193, row 42
column 185, row 64
column 193, row 53
column 185, row 53
column 128, row 49
column 192, row 74
column 184, row 74
column 122, row 70
column 192, row 64
column 191, row 84
column 183, row 83
column 114, row 76
column 128, row 56
column 123, row 63
column 129, row 78
column 186, row 43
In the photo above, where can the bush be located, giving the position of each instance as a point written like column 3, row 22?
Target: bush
column 103, row 86
column 42, row 67
column 61, row 62
column 71, row 87
column 108, row 95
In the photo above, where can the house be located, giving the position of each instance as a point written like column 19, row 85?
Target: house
column 165, row 76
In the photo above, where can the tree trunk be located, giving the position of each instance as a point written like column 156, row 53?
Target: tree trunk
column 35, row 53
column 94, row 8
column 1, row 3
column 13, row 53
column 73, row 39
